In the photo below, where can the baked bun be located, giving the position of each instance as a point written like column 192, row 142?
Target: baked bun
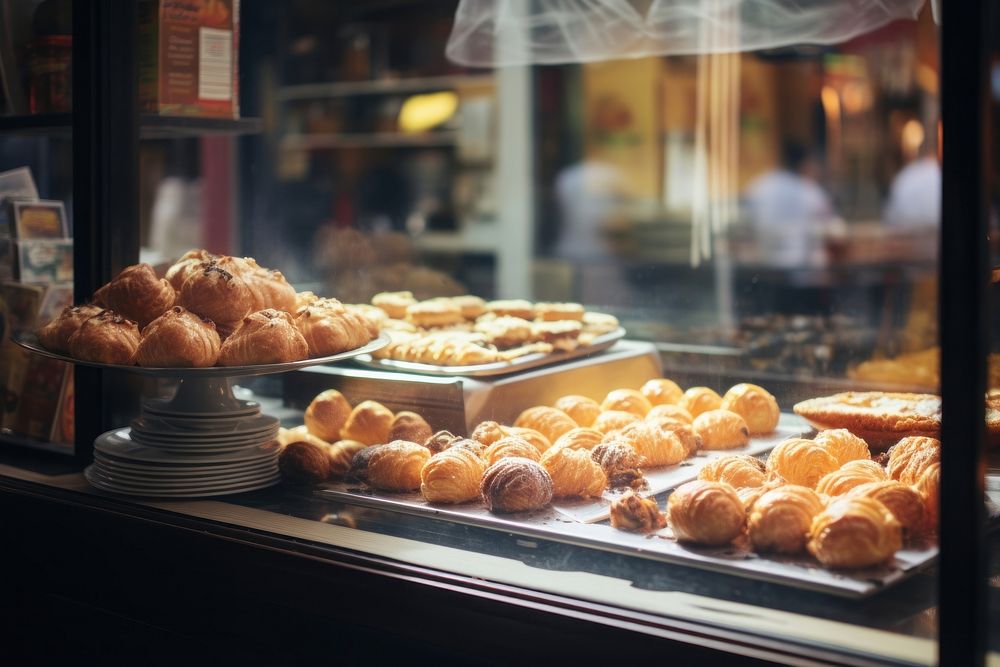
column 636, row 514
column 331, row 328
column 620, row 463
column 579, row 438
column 721, row 429
column 369, row 422
column 327, row 414
column 851, row 474
column 627, row 400
column 550, row 422
column 451, row 476
column 801, row 462
column 756, row 405
column 659, row 391
column 781, row 518
column 613, row 420
column 510, row 446
column 394, row 466
column 574, row 474
column 909, row 457
column 410, row 426
column 264, row 337
column 581, row 409
column 55, row 335
column 516, row 485
column 672, row 411
column 218, row 295
column 700, row 399
column 342, row 454
column 843, row 445
column 106, row 338
column 179, row 338
column 738, row 471
column 854, row 533
column 656, row 445
column 905, row 503
column 303, row 462
column 707, row 513
column 189, row 263
column 554, row 312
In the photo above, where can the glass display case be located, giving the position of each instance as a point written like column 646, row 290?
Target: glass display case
column 699, row 260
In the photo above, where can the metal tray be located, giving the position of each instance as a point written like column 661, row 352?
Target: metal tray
column 599, row 344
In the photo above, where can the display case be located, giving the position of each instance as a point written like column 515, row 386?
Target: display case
column 676, row 242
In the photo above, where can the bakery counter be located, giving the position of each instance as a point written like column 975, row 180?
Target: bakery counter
column 330, row 578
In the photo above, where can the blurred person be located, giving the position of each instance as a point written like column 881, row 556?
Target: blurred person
column 915, row 193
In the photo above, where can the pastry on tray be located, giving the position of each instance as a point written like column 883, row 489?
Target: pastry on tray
column 581, row 409
column 905, row 503
column 738, row 471
column 780, row 519
column 574, row 473
column 627, row 400
column 369, row 422
column 880, row 418
column 395, row 466
column 756, row 405
column 550, row 422
column 661, row 390
column 708, row 513
column 326, row 414
column 410, row 426
column 850, row 475
column 854, row 533
column 137, row 294
column 800, row 461
column 579, row 438
column 620, row 462
column 656, row 444
column 700, row 399
column 55, row 335
column 216, row 294
column 634, row 513
column 106, row 338
column 721, row 429
column 515, row 485
column 265, row 337
column 509, row 446
column 179, row 338
column 451, row 476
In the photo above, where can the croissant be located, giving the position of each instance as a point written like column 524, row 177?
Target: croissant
column 179, row 338
column 268, row 289
column 515, row 485
column 581, row 409
column 851, row 474
column 637, row 514
column 392, row 467
column 781, row 518
column 510, row 446
column 106, row 338
column 707, row 513
column 189, row 263
column 700, row 399
column 341, row 454
column 374, row 317
column 55, row 335
column 410, row 426
column 217, row 295
column 451, row 476
column 330, row 328
column 488, row 432
column 620, row 463
column 657, row 446
column 613, row 420
column 738, row 471
column 573, row 473
column 264, row 337
column 302, row 462
column 369, row 422
column 627, row 400
column 684, row 432
column 550, row 422
column 843, row 445
column 136, row 293
column 670, row 411
column 327, row 414
column 854, row 533
column 579, row 438
column 801, row 462
column 909, row 457
column 905, row 503
column 661, row 390
column 540, row 442
column 929, row 486
column 756, row 405
column 721, row 429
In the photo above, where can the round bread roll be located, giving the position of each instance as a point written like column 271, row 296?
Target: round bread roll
column 660, row 391
column 627, row 400
column 700, row 399
column 287, row 436
column 581, row 409
column 721, row 429
column 327, row 414
column 708, row 513
column 516, row 485
column 756, row 405
column 369, row 422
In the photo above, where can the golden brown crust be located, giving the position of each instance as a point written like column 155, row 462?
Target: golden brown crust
column 671, row 411
column 440, row 441
column 106, row 338
column 850, row 475
column 552, row 312
column 550, row 422
column 373, row 317
column 179, row 338
column 394, row 466
column 304, row 462
column 505, row 331
column 620, row 463
column 627, row 400
column 781, row 519
column 909, row 457
column 509, row 446
column 876, row 415
column 327, row 414
column 579, row 438
column 438, row 312
column 55, row 335
column 286, row 436
column 721, row 429
column 707, row 513
column 905, row 503
column 581, row 409
column 756, row 405
column 488, row 432
column 843, row 445
column 186, row 266
column 613, row 420
column 700, row 399
column 738, row 471
column 369, row 422
column 410, row 426
column 394, row 303
column 929, row 487
column 513, row 307
column 471, row 306
column 636, row 514
column 854, row 533
column 801, row 462
column 137, row 294
column 660, row 391
column 451, row 476
column 329, row 327
column 684, row 432
column 217, row 295
column 341, row 455
column 264, row 337
column 516, row 485
column 561, row 335
column 268, row 288
column 540, row 442
column 573, row 473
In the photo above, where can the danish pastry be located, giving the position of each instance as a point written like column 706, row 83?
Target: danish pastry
column 327, row 414
column 854, row 533
column 394, row 303
column 409, row 426
column 369, row 422
column 550, row 422
column 189, row 263
column 395, row 466
column 880, row 418
column 929, row 486
column 598, row 324
column 620, row 463
column 672, row 411
column 851, row 474
column 303, row 299
column 579, row 438
column 303, row 462
column 634, row 513
column 756, row 405
column 106, row 338
column 510, row 446
column 801, row 462
column 843, row 445
column 265, row 337
column 573, row 473
column 656, row 445
column 613, row 420
column 561, row 334
column 55, row 335
column 505, row 331
column 721, row 429
column 707, row 513
column 581, row 409
column 179, row 338
column 659, row 391
column 909, row 457
column 700, row 399
column 439, row 312
column 781, row 519
column 136, row 293
column 471, row 306
column 905, row 503
column 516, row 485
column 341, row 455
column 738, row 471
column 551, row 312
column 513, row 307
column 451, row 476
column 330, row 328
column 374, row 317
column 627, row 400
column 217, row 295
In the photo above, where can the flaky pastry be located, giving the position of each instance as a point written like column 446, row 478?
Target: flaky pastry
column 218, row 295
column 579, row 438
column 505, row 331
column 136, row 293
column 488, row 432
column 179, row 338
column 684, row 432
column 659, row 391
column 851, row 474
column 303, row 462
column 326, row 414
column 573, row 473
column 738, row 471
column 264, row 337
column 707, row 513
column 627, row 400
column 516, row 485
column 657, row 446
column 550, row 422
column 801, row 462
column 756, row 405
column 909, row 457
column 451, row 476
column 286, row 436
column 881, row 418
column 509, row 446
column 700, row 399
column 613, row 420
column 929, row 486
column 581, row 409
column 672, row 411
column 620, row 463
column 721, row 429
column 513, row 307
column 551, row 312
column 369, row 422
column 394, row 466
column 55, row 335
column 905, row 503
column 634, row 513
column 188, row 264
column 342, row 454
column 843, row 445
column 781, row 519
column 394, row 303
column 854, row 533
column 409, row 426
column 330, row 328
column 106, row 338
column 540, row 442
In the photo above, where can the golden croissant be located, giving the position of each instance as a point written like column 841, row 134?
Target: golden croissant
column 620, row 463
column 781, row 518
column 697, row 400
column 550, row 422
column 579, row 438
column 683, row 430
column 738, row 471
column 179, row 338
column 268, row 289
column 929, row 486
column 186, row 266
column 756, row 405
column 909, row 457
column 656, row 445
column 659, row 391
column 627, row 400
column 394, row 466
column 217, row 295
column 854, row 533
column 369, row 422
column 508, row 446
column 264, row 337
column 488, row 432
column 707, row 513
column 843, row 445
column 573, row 473
column 851, row 474
column 330, row 328
column 55, row 335
column 452, row 476
column 136, row 293
column 905, row 503
column 801, row 462
column 721, row 429
column 341, row 454
column 581, row 409
column 106, row 338
column 613, row 420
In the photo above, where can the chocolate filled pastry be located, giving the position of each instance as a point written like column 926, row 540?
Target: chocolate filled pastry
column 136, row 293
column 471, row 306
column 905, row 503
column 620, row 463
column 708, row 513
column 909, row 457
column 369, row 422
column 684, row 432
column 394, row 466
column 636, row 514
column 394, row 303
column 738, row 471
column 440, row 441
column 657, row 446
column 179, row 338
column 218, row 295
column 801, row 462
column 264, row 337
column 851, row 474
column 579, row 438
column 756, row 405
column 700, row 399
column 843, row 445
column 613, row 420
column 452, row 476
column 515, row 485
column 581, row 409
column 929, row 486
column 854, row 533
column 556, row 312
column 574, row 474
column 189, row 263
column 540, row 442
column 303, row 462
column 550, row 422
column 659, row 391
column 781, row 518
column 721, row 429
column 55, row 335
column 106, row 338
column 327, row 414
column 627, row 400
column 410, row 426
column 488, row 432
column 330, row 328
column 671, row 411
column 438, row 312
column 342, row 454
column 509, row 446
column 513, row 307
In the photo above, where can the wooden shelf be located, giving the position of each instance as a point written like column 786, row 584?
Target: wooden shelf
column 151, row 126
column 367, row 140
column 46, row 123
column 317, row 91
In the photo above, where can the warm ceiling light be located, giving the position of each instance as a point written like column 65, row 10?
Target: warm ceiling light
column 424, row 112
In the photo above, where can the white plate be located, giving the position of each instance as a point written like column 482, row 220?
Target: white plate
column 194, row 427
column 161, row 407
column 155, row 475
column 159, row 470
column 203, row 450
column 97, row 484
column 117, row 481
column 173, row 440
column 118, row 444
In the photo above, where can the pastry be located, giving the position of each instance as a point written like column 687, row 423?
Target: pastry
column 106, row 338
column 440, row 441
column 395, row 466
column 561, row 335
column 179, row 338
column 551, row 312
column 550, row 422
column 738, row 471
column 801, row 462
column 909, row 457
column 843, row 445
column 303, row 462
column 574, row 474
column 217, row 295
column 672, row 411
column 756, row 405
column 188, row 264
column 303, row 299
column 581, row 409
column 613, row 420
column 515, row 485
column 451, row 476
column 510, row 446
column 721, row 429
column 55, row 335
column 476, row 448
column 488, row 432
column 700, row 399
column 439, row 312
column 684, row 432
column 327, row 414
column 341, row 454
column 993, row 410
column 851, row 474
column 620, row 463
column 929, row 486
column 880, row 418
column 505, row 331
column 905, row 503
column 268, row 289
column 330, row 328
column 657, row 446
column 627, row 400
column 854, row 533
column 410, row 426
column 634, row 513
column 394, row 303
column 264, row 337
column 707, row 513
column 369, row 422
column 136, row 293
column 579, row 438
column 598, row 324
column 781, row 518
column 540, row 442
column 374, row 317
column 286, row 436
column 661, row 390
column 513, row 307
column 471, row 306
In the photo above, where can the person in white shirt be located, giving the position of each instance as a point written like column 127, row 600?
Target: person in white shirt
column 915, row 194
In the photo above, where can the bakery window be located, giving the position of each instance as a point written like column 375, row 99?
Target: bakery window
column 589, row 318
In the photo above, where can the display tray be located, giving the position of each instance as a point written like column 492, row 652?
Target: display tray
column 599, row 344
